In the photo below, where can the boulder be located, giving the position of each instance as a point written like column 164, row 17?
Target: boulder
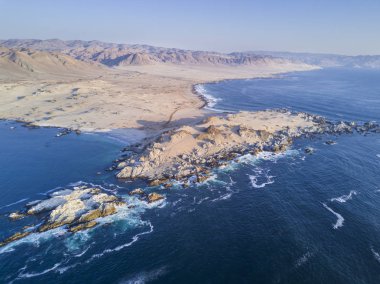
column 125, row 173
column 309, row 150
column 91, row 215
column 330, row 142
column 153, row 197
column 103, row 198
column 16, row 215
column 137, row 191
column 121, row 165
column 202, row 178
column 108, row 209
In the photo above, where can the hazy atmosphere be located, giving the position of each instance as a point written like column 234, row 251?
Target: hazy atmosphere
column 343, row 26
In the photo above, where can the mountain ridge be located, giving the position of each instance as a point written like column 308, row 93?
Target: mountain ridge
column 112, row 54
column 27, row 63
column 120, row 54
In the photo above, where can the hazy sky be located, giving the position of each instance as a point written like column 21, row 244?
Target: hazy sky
column 328, row 26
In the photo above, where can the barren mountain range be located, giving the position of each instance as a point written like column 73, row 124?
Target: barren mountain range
column 18, row 63
column 112, row 54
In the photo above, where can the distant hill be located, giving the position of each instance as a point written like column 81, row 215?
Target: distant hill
column 112, row 54
column 27, row 63
column 327, row 60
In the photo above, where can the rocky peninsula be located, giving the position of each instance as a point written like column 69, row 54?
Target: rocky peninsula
column 187, row 141
column 190, row 152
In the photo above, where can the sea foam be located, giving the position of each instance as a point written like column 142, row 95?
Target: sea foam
column 135, row 238
column 303, row 259
column 260, row 174
column 339, row 221
column 375, row 254
column 211, row 101
column 344, row 198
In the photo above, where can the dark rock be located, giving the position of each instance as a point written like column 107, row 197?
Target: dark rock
column 330, row 142
column 309, row 150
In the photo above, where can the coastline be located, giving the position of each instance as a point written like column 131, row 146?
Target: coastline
column 140, row 97
column 206, row 147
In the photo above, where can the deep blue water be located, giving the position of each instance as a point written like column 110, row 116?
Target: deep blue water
column 263, row 220
column 339, row 94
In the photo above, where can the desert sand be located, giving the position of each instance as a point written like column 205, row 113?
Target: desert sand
column 57, row 90
column 194, row 149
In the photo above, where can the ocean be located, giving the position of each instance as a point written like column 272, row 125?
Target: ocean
column 285, row 218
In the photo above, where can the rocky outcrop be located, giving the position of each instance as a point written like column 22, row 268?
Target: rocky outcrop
column 153, row 197
column 82, row 226
column 14, row 237
column 77, row 208
column 190, row 152
column 74, row 209
column 16, row 215
column 137, row 191
column 194, row 150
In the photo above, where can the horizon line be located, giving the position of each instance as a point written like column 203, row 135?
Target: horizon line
column 203, row 50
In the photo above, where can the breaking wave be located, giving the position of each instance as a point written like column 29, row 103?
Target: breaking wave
column 266, row 156
column 35, row 274
column 135, row 238
column 60, row 268
column 339, row 221
column 375, row 254
column 344, row 198
column 261, row 178
column 211, row 101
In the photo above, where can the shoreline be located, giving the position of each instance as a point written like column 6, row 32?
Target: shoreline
column 183, row 155
column 270, row 76
column 140, row 97
column 206, row 107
